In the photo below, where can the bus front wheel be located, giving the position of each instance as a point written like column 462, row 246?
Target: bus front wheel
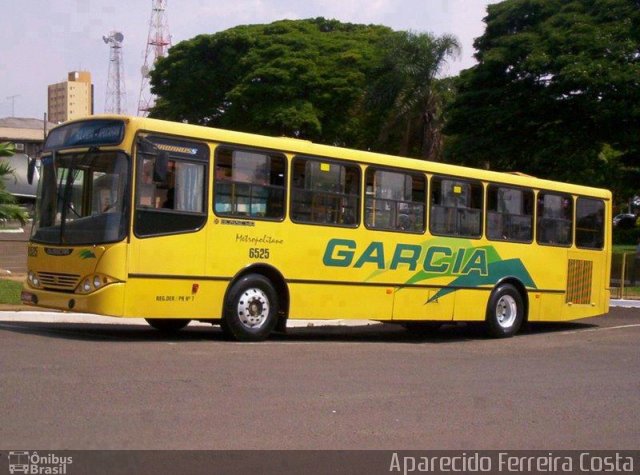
column 168, row 325
column 250, row 309
column 505, row 312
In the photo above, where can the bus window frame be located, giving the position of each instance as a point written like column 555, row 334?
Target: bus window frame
column 575, row 223
column 573, row 219
column 243, row 148
column 482, row 208
column 359, row 195
column 137, row 177
column 533, row 214
column 402, row 171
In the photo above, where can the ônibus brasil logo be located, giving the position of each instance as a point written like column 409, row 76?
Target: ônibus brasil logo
column 24, row 461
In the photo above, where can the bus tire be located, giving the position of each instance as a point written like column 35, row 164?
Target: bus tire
column 251, row 309
column 505, row 312
column 168, row 325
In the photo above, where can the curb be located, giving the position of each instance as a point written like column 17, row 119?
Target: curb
column 10, row 315
column 624, row 303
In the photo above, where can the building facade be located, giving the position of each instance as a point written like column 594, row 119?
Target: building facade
column 71, row 99
column 26, row 134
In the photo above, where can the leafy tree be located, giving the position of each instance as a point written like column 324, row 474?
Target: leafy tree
column 300, row 78
column 361, row 86
column 555, row 92
column 7, row 149
column 409, row 97
column 8, row 207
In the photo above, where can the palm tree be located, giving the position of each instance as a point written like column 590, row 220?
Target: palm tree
column 8, row 204
column 410, row 93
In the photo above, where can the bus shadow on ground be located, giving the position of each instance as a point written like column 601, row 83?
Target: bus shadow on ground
column 396, row 333
column 374, row 333
column 554, row 327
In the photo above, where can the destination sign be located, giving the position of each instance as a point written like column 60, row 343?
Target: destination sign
column 86, row 133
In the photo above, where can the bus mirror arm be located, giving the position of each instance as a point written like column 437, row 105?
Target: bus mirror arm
column 160, row 167
column 31, row 169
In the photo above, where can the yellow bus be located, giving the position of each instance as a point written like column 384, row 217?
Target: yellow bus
column 173, row 222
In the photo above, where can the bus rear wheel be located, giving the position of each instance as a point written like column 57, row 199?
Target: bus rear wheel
column 168, row 325
column 250, row 309
column 505, row 312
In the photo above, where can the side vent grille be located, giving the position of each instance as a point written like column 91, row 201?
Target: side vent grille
column 579, row 277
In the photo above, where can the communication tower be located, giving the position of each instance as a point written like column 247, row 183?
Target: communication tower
column 158, row 43
column 116, row 97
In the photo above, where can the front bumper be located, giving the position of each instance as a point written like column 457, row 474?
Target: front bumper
column 108, row 300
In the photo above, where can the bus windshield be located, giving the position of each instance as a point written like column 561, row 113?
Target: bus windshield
column 82, row 198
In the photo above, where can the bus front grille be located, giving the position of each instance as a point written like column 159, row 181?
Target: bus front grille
column 58, row 281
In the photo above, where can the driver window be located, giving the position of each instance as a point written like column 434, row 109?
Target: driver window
column 179, row 190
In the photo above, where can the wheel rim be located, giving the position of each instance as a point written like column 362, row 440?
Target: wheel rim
column 253, row 308
column 506, row 311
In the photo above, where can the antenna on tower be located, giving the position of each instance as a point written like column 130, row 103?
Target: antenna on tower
column 116, row 98
column 13, row 104
column 158, row 43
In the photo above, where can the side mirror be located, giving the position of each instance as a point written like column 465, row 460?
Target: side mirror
column 160, row 167
column 31, row 170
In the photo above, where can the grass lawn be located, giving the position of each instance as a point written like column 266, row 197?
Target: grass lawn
column 10, row 292
column 622, row 248
column 619, row 251
column 630, row 291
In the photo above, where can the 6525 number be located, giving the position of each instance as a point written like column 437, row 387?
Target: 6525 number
column 259, row 253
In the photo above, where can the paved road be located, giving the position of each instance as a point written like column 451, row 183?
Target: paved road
column 116, row 386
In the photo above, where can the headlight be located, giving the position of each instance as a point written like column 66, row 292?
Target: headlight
column 86, row 286
column 33, row 279
column 93, row 283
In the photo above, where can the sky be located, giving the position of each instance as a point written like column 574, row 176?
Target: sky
column 41, row 41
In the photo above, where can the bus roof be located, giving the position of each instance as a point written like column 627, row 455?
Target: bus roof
column 306, row 147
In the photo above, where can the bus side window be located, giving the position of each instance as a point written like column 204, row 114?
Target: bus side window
column 555, row 217
column 180, row 193
column 590, row 223
column 249, row 184
column 509, row 214
column 456, row 207
column 325, row 192
column 182, row 189
column 394, row 200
